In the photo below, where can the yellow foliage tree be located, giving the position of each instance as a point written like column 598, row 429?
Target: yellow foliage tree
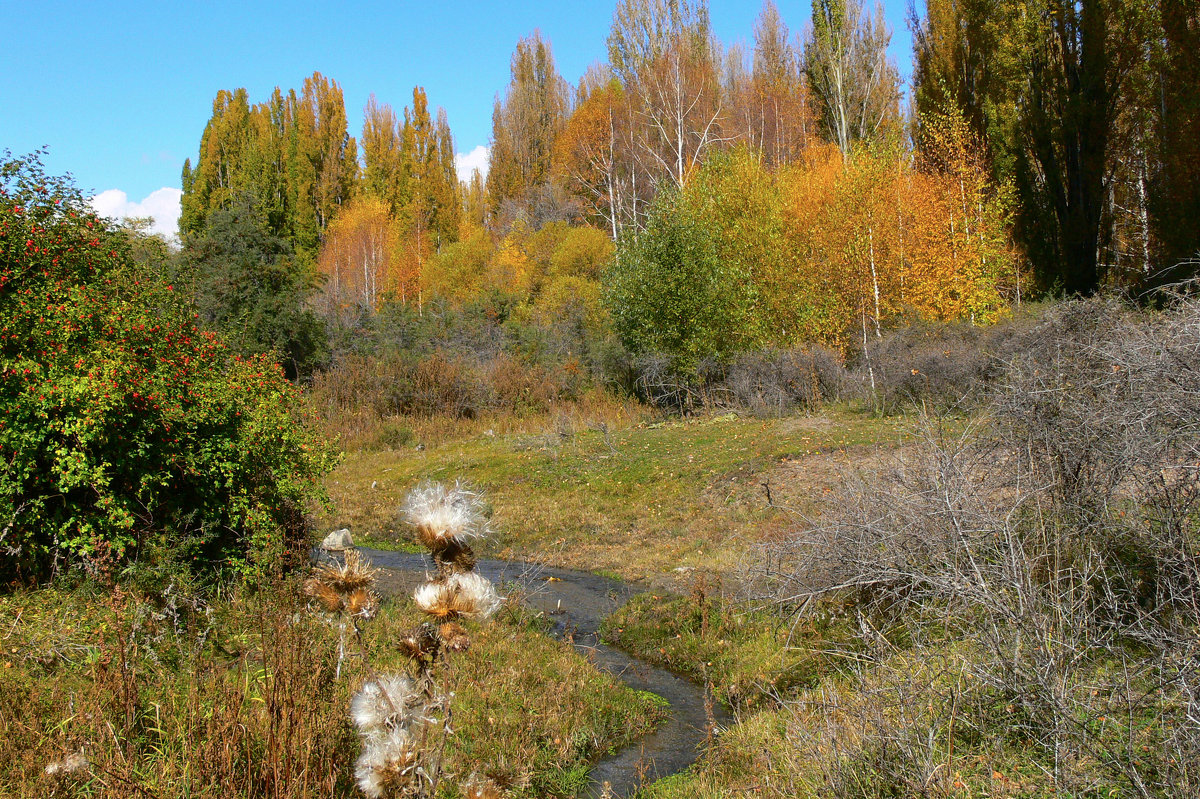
column 360, row 259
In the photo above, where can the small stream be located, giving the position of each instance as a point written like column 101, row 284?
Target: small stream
column 578, row 602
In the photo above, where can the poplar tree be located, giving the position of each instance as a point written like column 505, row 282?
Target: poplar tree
column 525, row 124
column 1175, row 184
column 291, row 156
column 1064, row 97
column 386, row 171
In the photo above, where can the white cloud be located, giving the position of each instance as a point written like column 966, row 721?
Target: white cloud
column 162, row 206
column 466, row 163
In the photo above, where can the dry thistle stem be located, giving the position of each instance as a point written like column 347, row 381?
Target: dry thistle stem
column 444, row 516
column 460, row 595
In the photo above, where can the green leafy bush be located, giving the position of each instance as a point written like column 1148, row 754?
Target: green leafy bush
column 122, row 423
column 669, row 291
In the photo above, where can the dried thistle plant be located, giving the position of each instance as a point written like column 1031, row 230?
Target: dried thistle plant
column 468, row 595
column 444, row 516
column 328, row 597
column 387, row 702
column 344, row 591
column 454, row 636
column 403, row 722
column 396, row 720
column 73, row 763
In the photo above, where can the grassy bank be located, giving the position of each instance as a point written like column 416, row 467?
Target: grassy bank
column 171, row 696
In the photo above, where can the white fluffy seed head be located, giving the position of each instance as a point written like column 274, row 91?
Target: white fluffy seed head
column 388, row 763
column 76, row 761
column 389, row 702
column 442, row 515
column 469, row 594
column 481, row 787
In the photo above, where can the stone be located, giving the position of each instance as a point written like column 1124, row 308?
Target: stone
column 337, row 541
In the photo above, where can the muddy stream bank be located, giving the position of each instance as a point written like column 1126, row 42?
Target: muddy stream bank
column 577, row 602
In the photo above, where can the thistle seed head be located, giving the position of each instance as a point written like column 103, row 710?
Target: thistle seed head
column 72, row 763
column 362, row 602
column 388, row 764
column 443, row 516
column 328, row 596
column 460, row 595
column 347, row 577
column 480, row 787
column 454, row 558
column 387, row 703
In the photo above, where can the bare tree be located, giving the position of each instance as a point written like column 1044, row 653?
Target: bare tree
column 666, row 58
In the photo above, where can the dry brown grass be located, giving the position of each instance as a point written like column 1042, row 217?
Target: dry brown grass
column 242, row 701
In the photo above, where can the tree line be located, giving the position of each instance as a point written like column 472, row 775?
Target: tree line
column 1048, row 147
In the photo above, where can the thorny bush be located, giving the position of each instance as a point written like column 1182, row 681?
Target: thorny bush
column 1051, row 546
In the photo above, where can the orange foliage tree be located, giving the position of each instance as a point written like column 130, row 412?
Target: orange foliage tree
column 839, row 249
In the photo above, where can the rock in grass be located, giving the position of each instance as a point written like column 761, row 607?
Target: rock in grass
column 338, row 541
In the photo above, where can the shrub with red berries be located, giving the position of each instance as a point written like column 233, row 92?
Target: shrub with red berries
column 122, row 423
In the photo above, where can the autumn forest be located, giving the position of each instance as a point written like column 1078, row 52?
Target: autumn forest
column 824, row 206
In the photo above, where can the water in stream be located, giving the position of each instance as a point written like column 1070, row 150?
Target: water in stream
column 578, row 602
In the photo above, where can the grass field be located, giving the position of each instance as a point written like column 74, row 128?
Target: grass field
column 636, row 501
column 239, row 696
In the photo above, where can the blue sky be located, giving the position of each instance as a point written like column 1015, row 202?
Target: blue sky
column 121, row 91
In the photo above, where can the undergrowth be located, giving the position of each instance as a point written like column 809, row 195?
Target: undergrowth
column 164, row 695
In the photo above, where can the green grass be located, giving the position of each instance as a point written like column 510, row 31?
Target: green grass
column 747, row 656
column 635, row 502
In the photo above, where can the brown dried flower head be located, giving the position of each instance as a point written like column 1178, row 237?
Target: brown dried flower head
column 460, row 595
column 454, row 637
column 420, row 643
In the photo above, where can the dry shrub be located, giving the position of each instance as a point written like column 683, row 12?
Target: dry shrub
column 517, row 386
column 944, row 366
column 766, row 383
column 399, row 384
column 1059, row 534
column 386, row 400
column 776, row 382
